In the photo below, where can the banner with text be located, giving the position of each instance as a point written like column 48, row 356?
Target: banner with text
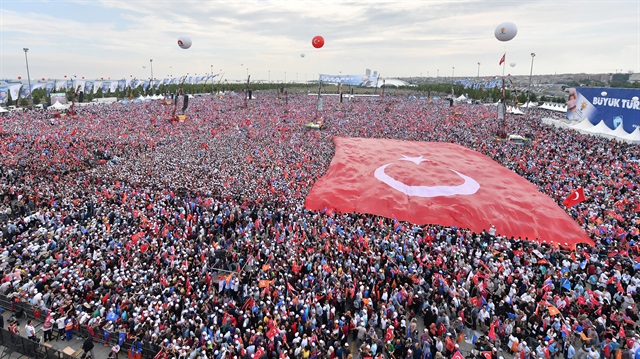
column 353, row 80
column 613, row 106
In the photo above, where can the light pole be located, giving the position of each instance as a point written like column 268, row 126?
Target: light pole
column 530, row 75
column 453, row 72
column 211, row 74
column 151, row 67
column 26, row 60
column 269, row 76
column 478, row 72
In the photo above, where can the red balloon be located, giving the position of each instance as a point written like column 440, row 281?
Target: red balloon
column 317, row 42
column 65, row 76
column 43, row 79
column 102, row 78
column 19, row 77
column 83, row 77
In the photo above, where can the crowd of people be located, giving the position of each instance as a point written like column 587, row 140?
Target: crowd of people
column 192, row 237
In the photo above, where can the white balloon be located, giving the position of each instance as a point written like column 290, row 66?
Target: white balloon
column 301, row 55
column 506, row 31
column 513, row 64
column 604, row 93
column 184, row 42
column 635, row 98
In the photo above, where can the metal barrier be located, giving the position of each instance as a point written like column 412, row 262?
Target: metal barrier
column 14, row 343
column 148, row 349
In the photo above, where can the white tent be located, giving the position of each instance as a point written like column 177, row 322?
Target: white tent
column 529, row 105
column 461, row 98
column 59, row 106
column 514, row 111
column 555, row 122
column 554, row 107
column 582, row 125
column 619, row 132
column 3, row 110
column 601, row 129
column 633, row 137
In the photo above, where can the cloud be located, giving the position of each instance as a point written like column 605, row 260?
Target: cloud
column 399, row 38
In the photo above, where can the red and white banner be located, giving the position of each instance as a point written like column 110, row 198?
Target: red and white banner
column 439, row 183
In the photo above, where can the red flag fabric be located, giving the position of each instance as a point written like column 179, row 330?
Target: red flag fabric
column 248, row 304
column 504, row 56
column 492, row 333
column 622, row 333
column 388, row 335
column 457, row 355
column 272, row 333
column 439, row 183
column 574, row 198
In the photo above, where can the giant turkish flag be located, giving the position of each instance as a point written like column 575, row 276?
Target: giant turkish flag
column 439, row 183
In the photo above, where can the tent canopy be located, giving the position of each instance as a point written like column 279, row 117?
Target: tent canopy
column 582, row 125
column 59, row 106
column 601, row 129
column 633, row 137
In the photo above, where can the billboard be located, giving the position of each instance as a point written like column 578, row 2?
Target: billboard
column 353, row 80
column 4, row 94
column 59, row 97
column 613, row 106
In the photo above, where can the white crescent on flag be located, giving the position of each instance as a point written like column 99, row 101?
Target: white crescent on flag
column 470, row 186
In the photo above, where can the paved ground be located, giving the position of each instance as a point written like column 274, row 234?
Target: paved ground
column 75, row 344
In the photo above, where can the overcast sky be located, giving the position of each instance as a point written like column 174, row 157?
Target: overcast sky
column 116, row 38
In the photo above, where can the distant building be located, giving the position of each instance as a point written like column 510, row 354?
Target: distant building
column 633, row 78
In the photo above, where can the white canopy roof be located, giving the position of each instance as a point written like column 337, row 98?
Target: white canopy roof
column 2, row 109
column 59, row 106
column 556, row 122
column 633, row 137
column 601, row 129
column 554, row 107
column 582, row 125
column 619, row 132
column 514, row 111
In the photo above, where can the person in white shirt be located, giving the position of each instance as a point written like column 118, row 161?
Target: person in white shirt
column 30, row 330
column 61, row 325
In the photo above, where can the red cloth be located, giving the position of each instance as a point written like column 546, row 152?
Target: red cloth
column 441, row 183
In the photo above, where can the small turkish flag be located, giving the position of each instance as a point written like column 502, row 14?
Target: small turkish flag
column 504, row 56
column 574, row 198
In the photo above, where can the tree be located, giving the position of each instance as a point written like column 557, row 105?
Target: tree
column 522, row 98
